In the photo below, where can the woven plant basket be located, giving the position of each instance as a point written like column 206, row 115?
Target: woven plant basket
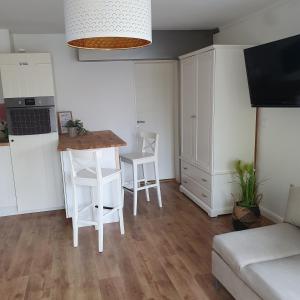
column 245, row 217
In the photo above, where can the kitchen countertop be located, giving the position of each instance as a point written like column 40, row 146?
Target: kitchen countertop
column 4, row 143
column 92, row 140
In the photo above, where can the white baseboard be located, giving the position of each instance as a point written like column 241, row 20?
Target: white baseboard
column 8, row 211
column 270, row 215
column 12, row 211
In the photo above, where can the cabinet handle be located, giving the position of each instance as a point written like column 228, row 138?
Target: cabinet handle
column 12, row 141
column 185, row 168
column 204, row 180
column 203, row 195
column 184, row 181
column 193, row 116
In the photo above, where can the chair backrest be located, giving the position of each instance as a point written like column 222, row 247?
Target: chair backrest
column 149, row 142
column 88, row 160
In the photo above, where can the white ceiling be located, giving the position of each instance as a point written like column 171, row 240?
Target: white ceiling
column 46, row 16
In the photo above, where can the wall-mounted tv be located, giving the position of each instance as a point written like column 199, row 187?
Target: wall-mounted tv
column 273, row 72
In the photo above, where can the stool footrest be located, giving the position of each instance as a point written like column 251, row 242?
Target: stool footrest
column 82, row 223
column 147, row 186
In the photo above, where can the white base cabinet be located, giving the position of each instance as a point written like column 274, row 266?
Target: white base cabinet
column 30, row 175
column 217, row 125
column 8, row 202
column 37, row 175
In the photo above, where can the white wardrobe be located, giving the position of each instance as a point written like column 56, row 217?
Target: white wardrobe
column 217, row 125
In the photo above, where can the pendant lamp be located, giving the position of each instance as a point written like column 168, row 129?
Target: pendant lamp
column 108, row 24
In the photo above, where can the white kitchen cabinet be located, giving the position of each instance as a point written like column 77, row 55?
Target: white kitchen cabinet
column 37, row 155
column 217, row 125
column 8, row 202
column 26, row 75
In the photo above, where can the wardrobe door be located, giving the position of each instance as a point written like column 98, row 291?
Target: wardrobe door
column 188, row 107
column 205, row 62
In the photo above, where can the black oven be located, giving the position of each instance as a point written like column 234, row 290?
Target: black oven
column 28, row 116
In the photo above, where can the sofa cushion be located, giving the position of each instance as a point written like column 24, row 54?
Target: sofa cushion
column 276, row 279
column 292, row 215
column 239, row 249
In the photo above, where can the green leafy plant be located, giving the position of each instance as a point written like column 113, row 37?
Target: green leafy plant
column 78, row 124
column 246, row 178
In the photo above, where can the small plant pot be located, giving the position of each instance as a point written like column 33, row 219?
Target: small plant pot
column 72, row 131
column 245, row 217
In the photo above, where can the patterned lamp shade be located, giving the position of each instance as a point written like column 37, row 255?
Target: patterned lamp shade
column 108, row 24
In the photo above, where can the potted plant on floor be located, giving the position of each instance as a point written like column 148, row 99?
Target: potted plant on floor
column 75, row 128
column 246, row 212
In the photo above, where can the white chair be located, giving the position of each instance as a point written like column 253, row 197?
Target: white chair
column 86, row 171
column 148, row 154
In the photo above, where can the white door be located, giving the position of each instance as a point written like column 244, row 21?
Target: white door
column 37, row 173
column 188, row 107
column 204, row 110
column 156, row 95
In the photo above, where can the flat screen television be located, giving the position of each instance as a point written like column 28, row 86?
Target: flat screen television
column 273, row 72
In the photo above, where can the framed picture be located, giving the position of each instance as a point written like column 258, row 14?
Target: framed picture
column 63, row 117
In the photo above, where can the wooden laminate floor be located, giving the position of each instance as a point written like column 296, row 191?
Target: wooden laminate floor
column 165, row 254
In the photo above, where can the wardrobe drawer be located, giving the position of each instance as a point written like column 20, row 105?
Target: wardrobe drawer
column 195, row 173
column 196, row 189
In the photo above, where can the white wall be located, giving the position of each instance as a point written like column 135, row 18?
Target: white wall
column 101, row 94
column 279, row 138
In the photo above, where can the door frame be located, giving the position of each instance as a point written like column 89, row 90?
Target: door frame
column 176, row 108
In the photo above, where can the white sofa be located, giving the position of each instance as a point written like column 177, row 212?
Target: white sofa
column 261, row 263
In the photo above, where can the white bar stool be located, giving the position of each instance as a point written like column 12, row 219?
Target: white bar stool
column 148, row 154
column 86, row 171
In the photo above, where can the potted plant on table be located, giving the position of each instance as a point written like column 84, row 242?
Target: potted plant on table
column 246, row 212
column 76, row 128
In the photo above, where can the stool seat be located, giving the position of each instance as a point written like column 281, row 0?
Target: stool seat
column 89, row 176
column 138, row 157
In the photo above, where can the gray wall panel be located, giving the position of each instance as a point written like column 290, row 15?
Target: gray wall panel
column 166, row 44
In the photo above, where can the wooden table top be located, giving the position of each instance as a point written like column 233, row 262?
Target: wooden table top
column 92, row 140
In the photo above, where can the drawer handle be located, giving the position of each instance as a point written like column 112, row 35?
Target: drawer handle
column 185, row 168
column 203, row 195
column 184, row 181
column 204, row 180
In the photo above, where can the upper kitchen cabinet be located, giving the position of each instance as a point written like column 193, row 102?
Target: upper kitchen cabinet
column 26, row 75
